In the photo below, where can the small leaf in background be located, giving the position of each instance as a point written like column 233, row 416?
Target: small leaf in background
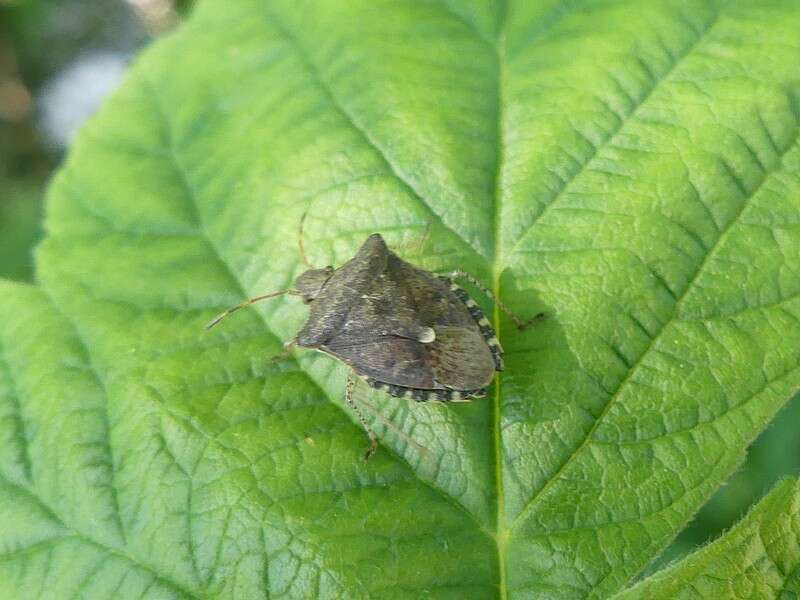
column 632, row 169
column 758, row 558
column 774, row 454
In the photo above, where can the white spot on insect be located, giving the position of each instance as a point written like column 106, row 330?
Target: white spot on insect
column 470, row 302
column 484, row 321
column 492, row 341
column 427, row 335
column 408, row 395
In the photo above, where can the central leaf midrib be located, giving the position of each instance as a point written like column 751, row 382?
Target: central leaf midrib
column 501, row 536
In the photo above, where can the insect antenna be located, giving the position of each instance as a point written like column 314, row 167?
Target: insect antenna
column 300, row 244
column 246, row 303
column 414, row 247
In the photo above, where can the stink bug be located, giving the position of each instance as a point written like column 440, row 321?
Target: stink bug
column 409, row 332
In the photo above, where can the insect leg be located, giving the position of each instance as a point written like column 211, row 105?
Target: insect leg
column 424, row 237
column 286, row 353
column 348, row 397
column 419, row 244
column 246, row 303
column 300, row 244
column 521, row 325
column 394, row 428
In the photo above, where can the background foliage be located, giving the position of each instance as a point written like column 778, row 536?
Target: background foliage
column 697, row 55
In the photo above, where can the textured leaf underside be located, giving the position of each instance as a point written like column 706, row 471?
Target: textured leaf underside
column 632, row 169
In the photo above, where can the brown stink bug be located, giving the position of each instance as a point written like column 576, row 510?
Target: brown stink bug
column 409, row 332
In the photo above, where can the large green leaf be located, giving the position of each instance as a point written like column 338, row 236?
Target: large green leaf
column 630, row 168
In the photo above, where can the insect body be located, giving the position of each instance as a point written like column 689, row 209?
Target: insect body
column 404, row 330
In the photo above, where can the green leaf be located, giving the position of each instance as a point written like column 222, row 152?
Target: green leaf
column 20, row 216
column 632, row 169
column 758, row 558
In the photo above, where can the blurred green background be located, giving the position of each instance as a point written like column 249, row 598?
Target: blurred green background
column 59, row 59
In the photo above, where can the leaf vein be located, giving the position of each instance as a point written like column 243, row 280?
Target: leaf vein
column 636, row 106
column 92, row 542
column 323, row 85
column 19, row 422
column 108, row 461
